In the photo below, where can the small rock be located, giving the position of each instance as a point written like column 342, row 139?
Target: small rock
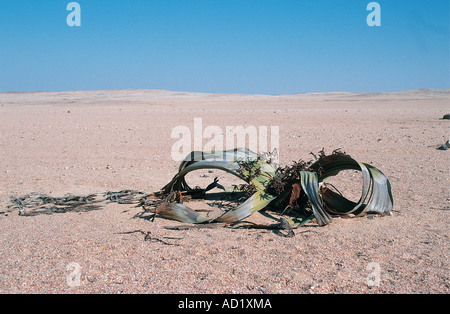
column 445, row 146
column 446, row 117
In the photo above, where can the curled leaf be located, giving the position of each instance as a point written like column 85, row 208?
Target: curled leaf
column 376, row 195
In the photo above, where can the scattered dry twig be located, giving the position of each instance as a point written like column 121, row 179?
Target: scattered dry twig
column 147, row 237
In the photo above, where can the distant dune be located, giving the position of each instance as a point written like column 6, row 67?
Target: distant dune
column 145, row 96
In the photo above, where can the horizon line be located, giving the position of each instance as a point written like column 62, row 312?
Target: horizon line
column 221, row 93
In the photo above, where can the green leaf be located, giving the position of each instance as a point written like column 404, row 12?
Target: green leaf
column 310, row 185
column 376, row 188
column 227, row 161
column 376, row 195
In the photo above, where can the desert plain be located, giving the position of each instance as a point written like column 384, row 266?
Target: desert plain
column 83, row 142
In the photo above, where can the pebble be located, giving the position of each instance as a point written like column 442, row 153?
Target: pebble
column 445, row 146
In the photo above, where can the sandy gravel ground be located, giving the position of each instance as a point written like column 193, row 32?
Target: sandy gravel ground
column 95, row 141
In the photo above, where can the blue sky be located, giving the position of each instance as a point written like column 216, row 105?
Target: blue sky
column 224, row 46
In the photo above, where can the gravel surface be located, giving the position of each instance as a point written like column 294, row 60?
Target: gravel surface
column 97, row 141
